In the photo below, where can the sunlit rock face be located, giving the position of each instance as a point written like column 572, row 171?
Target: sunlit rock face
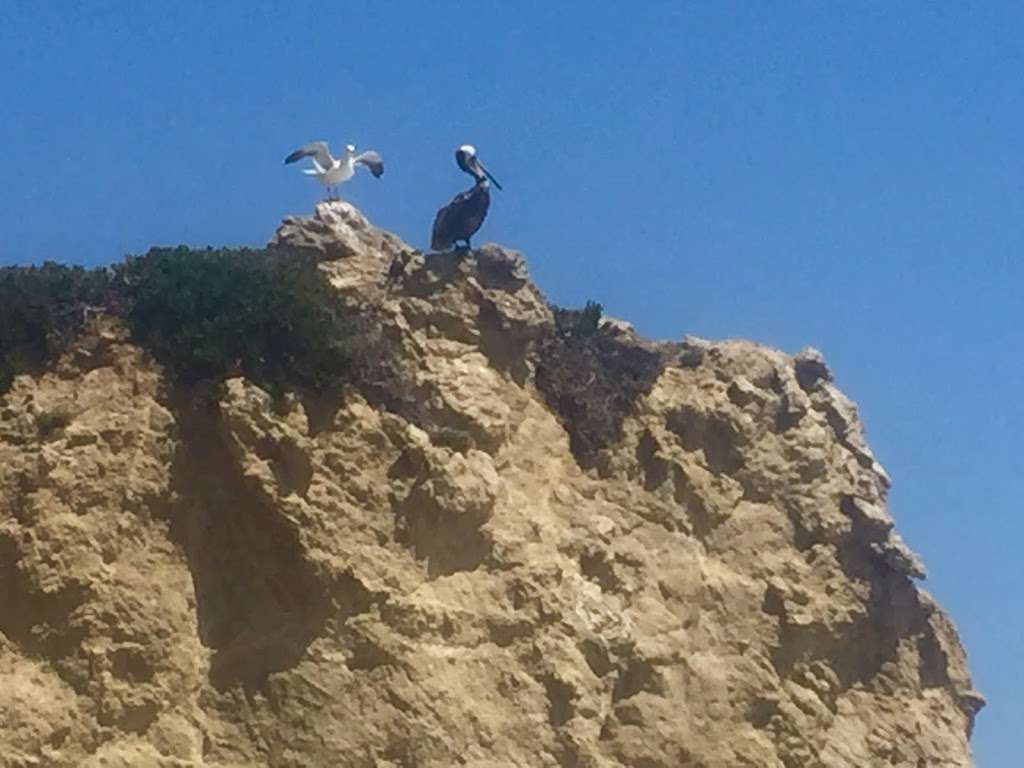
column 661, row 554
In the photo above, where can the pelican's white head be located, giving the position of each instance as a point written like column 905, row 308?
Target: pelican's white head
column 467, row 160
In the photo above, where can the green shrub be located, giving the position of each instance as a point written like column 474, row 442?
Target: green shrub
column 271, row 316
column 592, row 379
column 578, row 323
column 42, row 309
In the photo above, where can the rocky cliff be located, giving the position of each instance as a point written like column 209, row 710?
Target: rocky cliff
column 567, row 546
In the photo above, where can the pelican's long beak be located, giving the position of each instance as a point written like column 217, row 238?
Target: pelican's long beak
column 487, row 173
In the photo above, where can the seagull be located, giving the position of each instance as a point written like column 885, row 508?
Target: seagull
column 331, row 171
column 462, row 217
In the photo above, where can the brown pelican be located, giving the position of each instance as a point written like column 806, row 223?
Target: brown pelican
column 462, row 217
column 332, row 171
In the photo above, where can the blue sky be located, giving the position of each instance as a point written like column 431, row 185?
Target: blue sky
column 794, row 173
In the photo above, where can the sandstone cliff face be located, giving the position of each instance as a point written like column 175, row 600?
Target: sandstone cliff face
column 337, row 584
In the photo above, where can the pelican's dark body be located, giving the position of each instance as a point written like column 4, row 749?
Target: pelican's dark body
column 464, row 215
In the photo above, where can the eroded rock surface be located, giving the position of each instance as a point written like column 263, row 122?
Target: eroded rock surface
column 250, row 583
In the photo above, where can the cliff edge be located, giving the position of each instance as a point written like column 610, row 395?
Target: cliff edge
column 557, row 544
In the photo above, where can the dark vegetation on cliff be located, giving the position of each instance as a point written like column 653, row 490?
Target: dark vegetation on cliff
column 271, row 316
column 591, row 379
column 42, row 310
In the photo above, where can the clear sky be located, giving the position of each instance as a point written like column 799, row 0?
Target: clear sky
column 794, row 173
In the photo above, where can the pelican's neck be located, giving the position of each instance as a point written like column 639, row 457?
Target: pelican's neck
column 478, row 175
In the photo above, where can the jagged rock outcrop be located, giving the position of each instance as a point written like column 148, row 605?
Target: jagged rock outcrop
column 302, row 583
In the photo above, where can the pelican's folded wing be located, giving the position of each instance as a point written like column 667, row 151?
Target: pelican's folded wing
column 440, row 239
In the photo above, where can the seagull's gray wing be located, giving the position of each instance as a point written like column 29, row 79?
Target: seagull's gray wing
column 317, row 150
column 372, row 161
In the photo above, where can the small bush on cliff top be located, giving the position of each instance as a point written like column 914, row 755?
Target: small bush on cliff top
column 271, row 316
column 592, row 379
column 42, row 309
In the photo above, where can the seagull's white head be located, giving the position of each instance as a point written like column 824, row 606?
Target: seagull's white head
column 468, row 149
column 350, row 148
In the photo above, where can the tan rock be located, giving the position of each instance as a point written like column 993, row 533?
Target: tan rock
column 297, row 584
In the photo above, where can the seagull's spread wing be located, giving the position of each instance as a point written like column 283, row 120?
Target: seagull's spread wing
column 317, row 150
column 372, row 161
